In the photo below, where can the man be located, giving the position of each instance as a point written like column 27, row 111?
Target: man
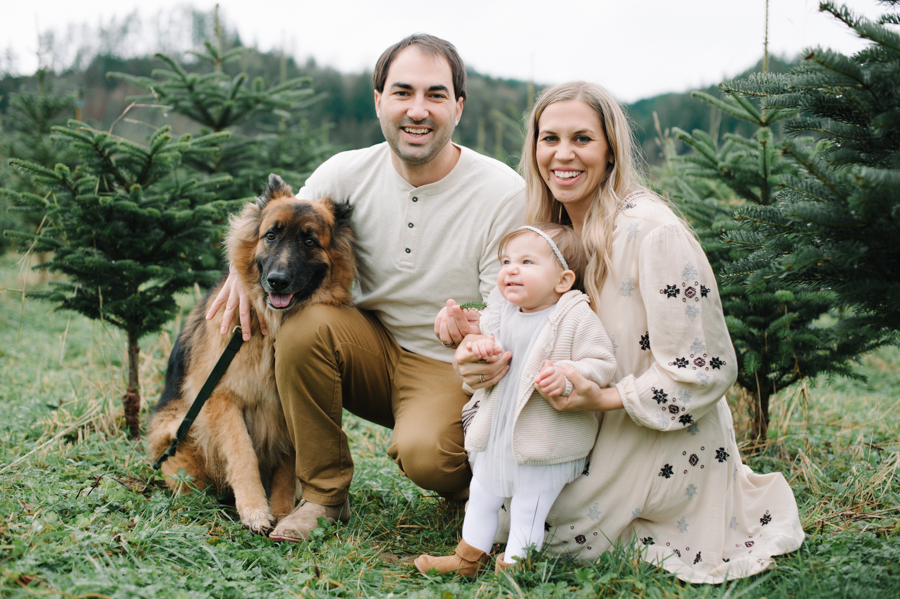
column 428, row 216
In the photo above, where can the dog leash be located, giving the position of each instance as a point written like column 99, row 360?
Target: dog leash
column 237, row 339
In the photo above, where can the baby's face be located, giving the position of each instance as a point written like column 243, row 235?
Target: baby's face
column 529, row 273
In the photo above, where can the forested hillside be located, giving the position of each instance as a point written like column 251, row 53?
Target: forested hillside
column 491, row 123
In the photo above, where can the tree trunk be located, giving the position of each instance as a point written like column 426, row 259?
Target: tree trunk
column 760, row 429
column 132, row 397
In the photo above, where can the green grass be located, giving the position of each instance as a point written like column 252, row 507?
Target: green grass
column 83, row 515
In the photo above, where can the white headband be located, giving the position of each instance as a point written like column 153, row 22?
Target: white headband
column 555, row 249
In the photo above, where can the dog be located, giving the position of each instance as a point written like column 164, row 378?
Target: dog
column 288, row 253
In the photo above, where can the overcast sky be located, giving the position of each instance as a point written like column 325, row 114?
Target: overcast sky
column 636, row 48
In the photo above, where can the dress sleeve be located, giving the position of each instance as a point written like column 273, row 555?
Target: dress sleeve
column 693, row 361
column 508, row 216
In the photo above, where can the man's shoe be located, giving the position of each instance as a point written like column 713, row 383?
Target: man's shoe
column 300, row 522
column 465, row 561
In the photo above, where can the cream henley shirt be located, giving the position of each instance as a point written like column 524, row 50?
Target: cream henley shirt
column 418, row 246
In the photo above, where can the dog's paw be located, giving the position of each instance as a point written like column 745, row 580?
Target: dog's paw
column 259, row 521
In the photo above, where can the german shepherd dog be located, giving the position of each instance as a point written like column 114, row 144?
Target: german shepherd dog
column 288, row 253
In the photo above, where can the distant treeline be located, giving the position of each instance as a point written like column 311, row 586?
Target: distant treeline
column 491, row 124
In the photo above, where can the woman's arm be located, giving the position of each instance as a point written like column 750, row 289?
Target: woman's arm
column 693, row 358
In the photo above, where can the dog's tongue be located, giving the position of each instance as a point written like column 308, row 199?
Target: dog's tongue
column 280, row 301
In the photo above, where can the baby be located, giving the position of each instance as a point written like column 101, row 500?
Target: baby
column 519, row 445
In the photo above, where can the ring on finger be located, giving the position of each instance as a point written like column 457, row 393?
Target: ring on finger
column 481, row 377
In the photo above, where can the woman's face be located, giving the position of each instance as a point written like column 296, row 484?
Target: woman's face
column 572, row 153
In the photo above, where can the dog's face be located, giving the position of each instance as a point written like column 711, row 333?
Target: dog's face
column 296, row 250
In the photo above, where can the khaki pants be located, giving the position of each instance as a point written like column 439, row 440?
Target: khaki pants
column 328, row 358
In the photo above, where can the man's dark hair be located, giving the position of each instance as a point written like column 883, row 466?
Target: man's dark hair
column 430, row 45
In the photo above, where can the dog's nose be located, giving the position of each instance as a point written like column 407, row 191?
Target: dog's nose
column 278, row 281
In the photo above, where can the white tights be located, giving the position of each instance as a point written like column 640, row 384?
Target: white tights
column 527, row 513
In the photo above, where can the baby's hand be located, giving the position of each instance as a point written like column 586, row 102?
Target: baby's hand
column 488, row 349
column 551, row 381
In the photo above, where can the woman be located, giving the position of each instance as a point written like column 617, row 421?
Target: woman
column 665, row 471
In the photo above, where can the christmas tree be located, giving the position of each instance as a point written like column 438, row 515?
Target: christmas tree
column 835, row 226
column 268, row 132
column 27, row 137
column 128, row 228
column 778, row 332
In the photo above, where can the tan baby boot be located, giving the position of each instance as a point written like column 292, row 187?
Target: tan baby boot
column 466, row 561
column 500, row 565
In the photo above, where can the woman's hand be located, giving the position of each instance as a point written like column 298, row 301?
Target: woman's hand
column 234, row 296
column 478, row 372
column 586, row 396
column 453, row 324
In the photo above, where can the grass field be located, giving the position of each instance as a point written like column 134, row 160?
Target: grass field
column 83, row 515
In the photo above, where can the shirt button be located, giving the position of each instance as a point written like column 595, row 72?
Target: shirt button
column 408, row 250
column 415, row 199
column 410, row 225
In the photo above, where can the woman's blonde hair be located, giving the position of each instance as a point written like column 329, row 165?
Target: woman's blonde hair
column 621, row 177
column 566, row 241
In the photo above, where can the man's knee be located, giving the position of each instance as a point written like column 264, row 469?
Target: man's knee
column 310, row 330
column 437, row 462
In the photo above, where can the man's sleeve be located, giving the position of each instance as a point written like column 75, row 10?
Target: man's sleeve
column 321, row 183
column 509, row 215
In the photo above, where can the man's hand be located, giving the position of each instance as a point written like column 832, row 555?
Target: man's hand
column 453, row 324
column 478, row 372
column 586, row 395
column 234, row 296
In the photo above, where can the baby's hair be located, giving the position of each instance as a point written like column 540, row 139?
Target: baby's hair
column 566, row 240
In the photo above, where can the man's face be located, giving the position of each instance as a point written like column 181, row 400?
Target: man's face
column 417, row 109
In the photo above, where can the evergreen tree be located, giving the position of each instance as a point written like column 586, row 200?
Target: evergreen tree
column 778, row 333
column 276, row 139
column 128, row 228
column 27, row 137
column 835, row 227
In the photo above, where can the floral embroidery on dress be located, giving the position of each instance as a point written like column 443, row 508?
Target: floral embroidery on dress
column 679, row 362
column 704, row 291
column 670, row 291
column 721, row 455
column 636, row 512
column 659, row 395
column 594, row 512
column 766, row 518
column 647, row 540
column 734, row 523
column 685, row 419
column 691, row 311
column 717, row 363
column 612, row 339
column 682, row 525
column 666, row 471
column 694, row 429
column 698, row 559
column 626, row 287
column 691, row 491
column 684, row 396
column 703, row 378
column 633, row 230
column 645, row 341
column 690, row 271
column 698, row 347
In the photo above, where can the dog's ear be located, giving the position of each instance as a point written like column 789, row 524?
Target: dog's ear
column 342, row 213
column 275, row 188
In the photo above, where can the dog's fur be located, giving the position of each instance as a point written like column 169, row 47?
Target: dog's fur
column 289, row 253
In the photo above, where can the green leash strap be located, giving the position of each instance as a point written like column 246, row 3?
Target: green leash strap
column 221, row 366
